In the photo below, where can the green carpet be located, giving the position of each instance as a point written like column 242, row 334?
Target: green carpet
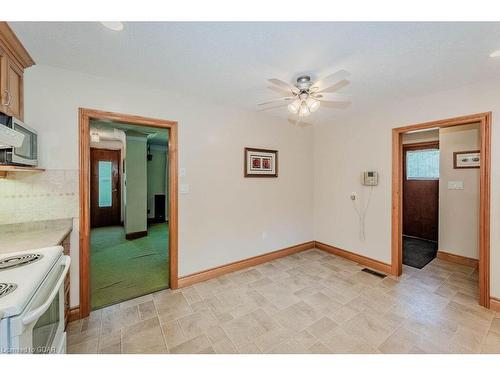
column 122, row 269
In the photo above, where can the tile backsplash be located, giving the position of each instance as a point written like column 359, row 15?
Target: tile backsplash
column 48, row 195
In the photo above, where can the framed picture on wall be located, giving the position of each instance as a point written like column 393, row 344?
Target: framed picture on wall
column 466, row 159
column 261, row 162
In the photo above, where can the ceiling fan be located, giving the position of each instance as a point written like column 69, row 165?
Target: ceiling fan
column 305, row 96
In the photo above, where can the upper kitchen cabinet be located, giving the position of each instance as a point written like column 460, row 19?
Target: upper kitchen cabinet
column 13, row 60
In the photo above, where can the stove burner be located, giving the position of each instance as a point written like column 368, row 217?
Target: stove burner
column 6, row 289
column 18, row 261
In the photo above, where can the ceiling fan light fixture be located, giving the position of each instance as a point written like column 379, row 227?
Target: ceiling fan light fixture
column 304, row 110
column 313, row 104
column 294, row 106
column 305, row 96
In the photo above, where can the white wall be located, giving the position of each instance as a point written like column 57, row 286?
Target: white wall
column 136, row 185
column 344, row 148
column 223, row 216
column 424, row 136
column 458, row 209
column 157, row 177
column 228, row 226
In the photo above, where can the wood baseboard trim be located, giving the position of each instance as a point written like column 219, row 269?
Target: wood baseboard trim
column 495, row 304
column 361, row 259
column 135, row 235
column 459, row 259
column 74, row 313
column 238, row 265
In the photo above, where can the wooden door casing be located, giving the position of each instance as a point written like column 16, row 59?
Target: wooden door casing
column 104, row 216
column 420, row 201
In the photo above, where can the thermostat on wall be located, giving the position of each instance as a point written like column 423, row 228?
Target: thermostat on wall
column 369, row 178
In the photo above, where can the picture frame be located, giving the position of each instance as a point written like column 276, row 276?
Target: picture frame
column 466, row 159
column 259, row 162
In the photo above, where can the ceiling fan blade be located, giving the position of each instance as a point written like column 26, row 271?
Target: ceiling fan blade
column 280, row 90
column 273, row 106
column 332, row 97
column 286, row 99
column 335, row 105
column 283, row 85
column 331, row 80
column 336, row 87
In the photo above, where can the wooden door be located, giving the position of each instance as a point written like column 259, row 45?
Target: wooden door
column 15, row 87
column 3, row 81
column 420, row 199
column 105, row 198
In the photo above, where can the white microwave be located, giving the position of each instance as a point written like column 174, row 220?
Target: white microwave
column 27, row 152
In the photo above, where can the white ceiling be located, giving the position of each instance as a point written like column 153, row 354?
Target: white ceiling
column 228, row 63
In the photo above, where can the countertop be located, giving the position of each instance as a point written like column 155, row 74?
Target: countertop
column 32, row 235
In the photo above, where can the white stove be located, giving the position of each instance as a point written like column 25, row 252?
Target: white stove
column 32, row 301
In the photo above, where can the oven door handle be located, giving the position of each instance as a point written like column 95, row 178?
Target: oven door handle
column 39, row 311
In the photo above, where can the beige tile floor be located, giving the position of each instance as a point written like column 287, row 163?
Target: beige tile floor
column 310, row 302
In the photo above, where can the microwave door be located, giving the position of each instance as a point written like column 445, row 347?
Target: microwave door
column 25, row 150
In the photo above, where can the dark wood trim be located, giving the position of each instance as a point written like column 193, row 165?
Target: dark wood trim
column 357, row 258
column 455, row 166
column 421, row 145
column 245, row 154
column 484, row 119
column 459, row 259
column 135, row 235
column 240, row 264
column 74, row 313
column 85, row 115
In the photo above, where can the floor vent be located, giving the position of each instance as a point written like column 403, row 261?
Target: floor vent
column 375, row 273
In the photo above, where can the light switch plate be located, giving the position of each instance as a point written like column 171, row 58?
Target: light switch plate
column 184, row 188
column 182, row 172
column 455, row 185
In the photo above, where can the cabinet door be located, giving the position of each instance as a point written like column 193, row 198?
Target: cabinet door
column 15, row 89
column 3, row 80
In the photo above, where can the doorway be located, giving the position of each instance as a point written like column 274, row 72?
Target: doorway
column 484, row 121
column 119, row 229
column 420, row 200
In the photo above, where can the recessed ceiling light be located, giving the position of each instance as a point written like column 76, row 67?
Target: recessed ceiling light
column 113, row 25
column 495, row 54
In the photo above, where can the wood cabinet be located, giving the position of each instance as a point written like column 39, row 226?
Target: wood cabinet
column 13, row 60
column 66, row 246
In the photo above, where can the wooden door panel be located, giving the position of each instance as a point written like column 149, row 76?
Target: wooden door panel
column 420, row 202
column 104, row 215
column 3, row 81
column 14, row 86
